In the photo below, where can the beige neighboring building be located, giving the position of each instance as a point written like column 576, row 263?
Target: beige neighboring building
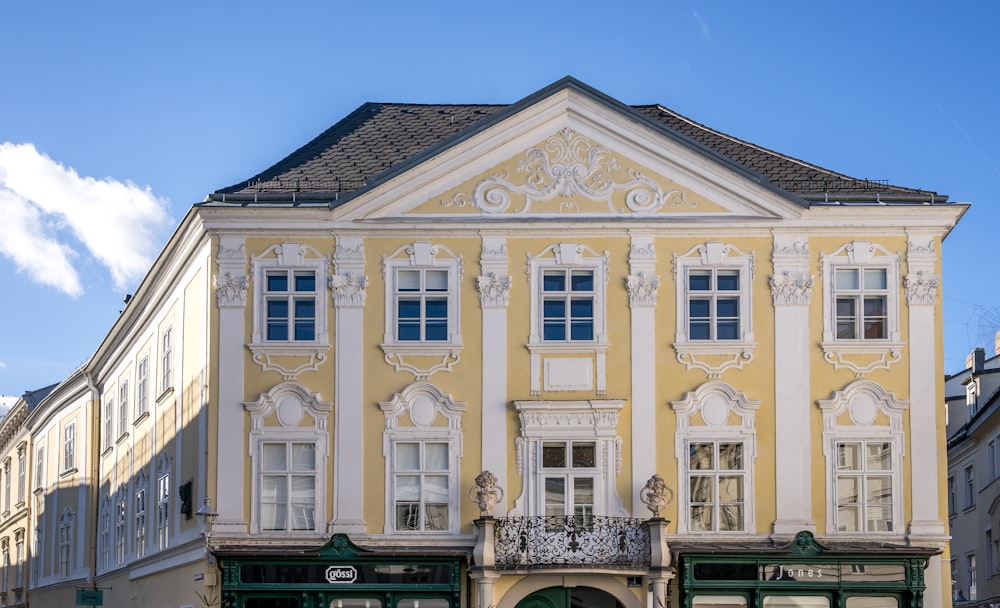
column 973, row 404
column 561, row 352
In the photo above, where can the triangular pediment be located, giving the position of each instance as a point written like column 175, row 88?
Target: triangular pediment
column 572, row 154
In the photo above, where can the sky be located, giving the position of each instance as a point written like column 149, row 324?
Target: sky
column 116, row 117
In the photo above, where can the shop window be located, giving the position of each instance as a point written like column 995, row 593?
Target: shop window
column 422, row 459
column 289, row 447
column 422, row 603
column 872, row 602
column 356, row 602
column 718, row 601
column 796, row 601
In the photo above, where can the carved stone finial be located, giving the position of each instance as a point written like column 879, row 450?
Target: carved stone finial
column 486, row 493
column 656, row 495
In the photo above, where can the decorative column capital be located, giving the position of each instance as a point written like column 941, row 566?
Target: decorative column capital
column 921, row 288
column 349, row 290
column 231, row 290
column 494, row 290
column 791, row 288
column 642, row 290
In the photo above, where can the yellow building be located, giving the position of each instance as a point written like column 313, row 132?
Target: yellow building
column 561, row 352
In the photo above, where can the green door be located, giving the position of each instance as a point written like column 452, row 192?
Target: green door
column 553, row 597
column 575, row 597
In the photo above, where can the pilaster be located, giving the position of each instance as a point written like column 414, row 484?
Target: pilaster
column 494, row 294
column 643, row 286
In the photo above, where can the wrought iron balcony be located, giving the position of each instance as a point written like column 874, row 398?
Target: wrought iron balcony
column 571, row 541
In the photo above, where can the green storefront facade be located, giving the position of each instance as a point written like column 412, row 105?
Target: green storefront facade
column 340, row 575
column 802, row 574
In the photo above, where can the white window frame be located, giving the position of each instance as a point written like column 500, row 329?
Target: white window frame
column 142, row 387
column 123, row 399
column 557, row 365
column 109, row 420
column 104, row 533
column 704, row 416
column 864, row 474
column 19, row 556
column 37, row 554
column 422, row 413
column 141, row 498
column 861, row 254
column 970, row 487
column 40, row 467
column 423, row 256
column 564, row 421
column 66, row 521
column 121, row 524
column 289, row 413
column 700, row 354
column 289, row 257
column 952, row 497
column 6, row 485
column 163, row 484
column 875, row 415
column 69, row 446
column 22, row 473
column 167, row 359
column 288, row 473
column 569, row 473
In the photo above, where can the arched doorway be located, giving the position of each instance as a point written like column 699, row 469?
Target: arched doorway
column 570, row 597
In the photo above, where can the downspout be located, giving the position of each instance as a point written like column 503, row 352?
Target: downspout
column 94, row 472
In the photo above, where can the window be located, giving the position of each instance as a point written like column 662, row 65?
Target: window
column 40, row 468
column 142, row 388
column 568, row 305
column 993, row 554
column 951, row 496
column 716, row 486
column 121, row 525
column 22, row 472
column 109, row 421
column 6, row 567
column 105, row 532
column 163, row 510
column 290, row 305
column 970, row 487
column 140, row 518
column 421, row 485
column 862, row 297
column 288, row 450
column 864, row 486
column 123, row 408
column 862, row 442
column 970, row 563
column 69, row 446
column 65, row 543
column 713, row 304
column 288, row 486
column 422, row 460
column 714, row 325
column 421, row 299
column 6, row 485
column 971, row 396
column 715, row 458
column 570, row 453
column 19, row 556
column 166, row 359
column 568, row 470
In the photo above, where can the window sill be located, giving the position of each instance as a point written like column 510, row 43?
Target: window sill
column 143, row 416
column 106, row 451
column 69, row 472
column 163, row 396
column 861, row 356
column 289, row 358
column 715, row 356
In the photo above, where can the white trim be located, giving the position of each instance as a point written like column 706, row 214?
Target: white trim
column 493, row 261
column 704, row 415
column 418, row 407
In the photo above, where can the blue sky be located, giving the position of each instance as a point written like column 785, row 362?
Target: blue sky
column 115, row 117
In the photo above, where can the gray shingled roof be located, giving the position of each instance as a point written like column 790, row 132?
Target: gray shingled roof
column 377, row 138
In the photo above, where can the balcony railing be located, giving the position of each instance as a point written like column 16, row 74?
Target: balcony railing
column 575, row 540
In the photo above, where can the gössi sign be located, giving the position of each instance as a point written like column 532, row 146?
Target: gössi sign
column 341, row 574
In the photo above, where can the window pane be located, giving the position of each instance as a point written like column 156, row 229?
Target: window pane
column 719, row 601
column 847, row 278
column 554, row 281
column 407, row 516
column 879, row 456
column 849, row 456
column 554, row 331
column 848, row 490
column 728, row 280
column 801, row 601
column 436, row 519
column 408, row 280
column 700, row 280
column 879, row 518
column 701, row 517
column 584, row 455
column 277, row 282
column 436, row 489
column 700, row 330
column 875, row 306
column 728, row 330
column 277, row 309
column 422, row 603
column 437, row 308
column 874, row 330
column 875, row 278
column 581, row 330
column 436, row 280
column 700, row 309
column 581, row 307
column 701, row 456
column 554, row 455
column 731, row 456
column 702, row 489
column 731, row 489
column 582, row 281
column 848, row 518
column 555, row 496
column 727, row 307
column 436, row 457
column 274, row 457
column 583, row 491
column 303, row 457
column 847, row 307
column 879, row 490
column 731, row 517
column 554, row 309
column 407, row 488
column 408, row 456
column 305, row 281
column 872, row 602
column 353, row 602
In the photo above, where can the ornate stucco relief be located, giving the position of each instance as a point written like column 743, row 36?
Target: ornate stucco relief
column 567, row 166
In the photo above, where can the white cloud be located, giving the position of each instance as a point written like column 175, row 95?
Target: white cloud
column 40, row 200
column 705, row 31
